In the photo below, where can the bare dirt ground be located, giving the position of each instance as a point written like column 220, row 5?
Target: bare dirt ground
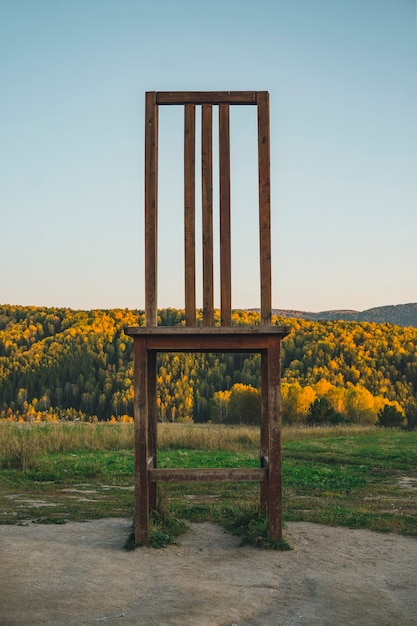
column 79, row 573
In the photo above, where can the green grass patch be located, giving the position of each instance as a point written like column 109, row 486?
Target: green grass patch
column 206, row 458
column 70, row 467
column 355, row 477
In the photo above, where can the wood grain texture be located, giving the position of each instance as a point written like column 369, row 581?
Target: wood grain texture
column 179, row 474
column 152, row 412
column 225, row 240
column 264, row 207
column 140, row 407
column 189, row 214
column 207, row 97
column 207, row 207
column 208, row 331
column 211, row 339
column 151, row 208
column 264, row 439
column 275, row 444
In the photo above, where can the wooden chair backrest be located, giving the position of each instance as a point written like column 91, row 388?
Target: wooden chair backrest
column 189, row 100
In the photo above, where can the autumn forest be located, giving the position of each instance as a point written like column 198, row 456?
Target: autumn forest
column 77, row 365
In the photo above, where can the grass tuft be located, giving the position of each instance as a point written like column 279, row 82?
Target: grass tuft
column 164, row 531
column 251, row 525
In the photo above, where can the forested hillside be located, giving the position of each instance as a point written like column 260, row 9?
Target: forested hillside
column 78, row 365
column 400, row 314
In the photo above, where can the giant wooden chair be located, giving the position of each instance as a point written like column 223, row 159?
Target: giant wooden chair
column 151, row 338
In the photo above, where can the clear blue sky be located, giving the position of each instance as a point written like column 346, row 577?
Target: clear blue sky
column 342, row 78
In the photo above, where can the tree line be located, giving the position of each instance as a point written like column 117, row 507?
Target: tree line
column 79, row 365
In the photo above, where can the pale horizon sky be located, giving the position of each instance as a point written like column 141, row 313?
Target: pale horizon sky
column 342, row 78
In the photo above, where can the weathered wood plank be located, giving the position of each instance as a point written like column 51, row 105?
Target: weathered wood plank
column 275, row 451
column 264, row 206
column 208, row 343
column 151, row 208
column 189, row 214
column 207, row 207
column 207, row 97
column 211, row 330
column 140, row 408
column 264, row 447
column 225, row 242
column 239, row 339
column 152, row 422
column 179, row 474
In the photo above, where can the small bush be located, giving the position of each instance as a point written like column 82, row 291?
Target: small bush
column 390, row 417
column 320, row 412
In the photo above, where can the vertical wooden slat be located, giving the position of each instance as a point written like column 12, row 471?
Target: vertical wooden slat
column 275, row 453
column 151, row 207
column 140, row 407
column 189, row 214
column 225, row 245
column 264, row 206
column 264, row 450
column 207, row 207
column 152, row 424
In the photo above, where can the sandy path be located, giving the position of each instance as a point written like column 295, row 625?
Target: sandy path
column 79, row 574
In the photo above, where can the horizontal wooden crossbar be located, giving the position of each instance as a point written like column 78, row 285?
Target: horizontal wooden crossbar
column 207, row 97
column 211, row 331
column 210, row 339
column 208, row 474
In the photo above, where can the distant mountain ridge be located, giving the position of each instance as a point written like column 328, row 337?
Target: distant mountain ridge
column 399, row 314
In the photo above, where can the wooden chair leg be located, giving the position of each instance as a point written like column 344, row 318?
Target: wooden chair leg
column 264, row 449
column 141, row 441
column 275, row 452
column 152, row 426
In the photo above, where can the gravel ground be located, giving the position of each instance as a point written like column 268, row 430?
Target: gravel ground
column 79, row 573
